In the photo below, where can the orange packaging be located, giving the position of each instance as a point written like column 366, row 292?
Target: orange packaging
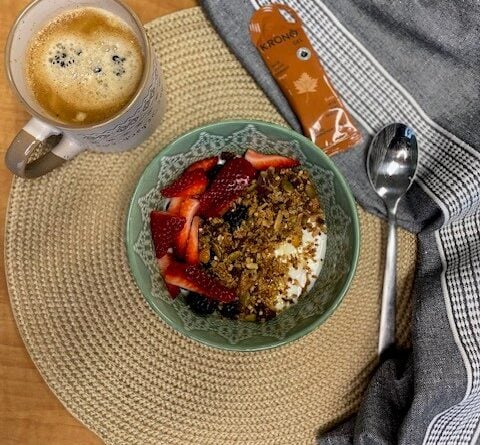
column 277, row 32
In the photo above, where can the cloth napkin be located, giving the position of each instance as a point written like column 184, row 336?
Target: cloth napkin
column 416, row 62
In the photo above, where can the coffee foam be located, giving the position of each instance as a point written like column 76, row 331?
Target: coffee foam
column 84, row 66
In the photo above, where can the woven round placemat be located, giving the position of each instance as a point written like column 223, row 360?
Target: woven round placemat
column 111, row 360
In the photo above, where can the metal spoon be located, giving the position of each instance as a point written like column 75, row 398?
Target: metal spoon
column 391, row 166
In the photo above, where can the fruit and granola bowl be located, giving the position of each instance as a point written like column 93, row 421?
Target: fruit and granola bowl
column 242, row 235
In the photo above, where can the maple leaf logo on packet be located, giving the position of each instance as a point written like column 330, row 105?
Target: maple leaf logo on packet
column 305, row 84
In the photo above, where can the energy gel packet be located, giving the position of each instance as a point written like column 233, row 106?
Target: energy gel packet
column 276, row 31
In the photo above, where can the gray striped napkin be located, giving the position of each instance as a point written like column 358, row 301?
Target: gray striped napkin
column 416, row 62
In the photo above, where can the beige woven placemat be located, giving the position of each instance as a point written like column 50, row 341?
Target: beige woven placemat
column 112, row 362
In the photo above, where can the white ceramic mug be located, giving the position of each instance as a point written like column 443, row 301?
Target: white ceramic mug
column 123, row 131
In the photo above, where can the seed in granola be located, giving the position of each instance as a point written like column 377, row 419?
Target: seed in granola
column 204, row 255
column 296, row 240
column 310, row 191
column 235, row 255
column 244, row 300
column 278, row 222
column 287, row 185
column 217, row 250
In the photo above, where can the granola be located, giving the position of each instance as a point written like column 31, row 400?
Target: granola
column 260, row 252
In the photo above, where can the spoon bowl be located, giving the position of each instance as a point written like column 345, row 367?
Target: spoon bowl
column 392, row 162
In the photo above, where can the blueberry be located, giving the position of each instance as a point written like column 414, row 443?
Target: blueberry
column 200, row 305
column 230, row 310
column 97, row 70
column 227, row 155
column 214, row 171
column 235, row 217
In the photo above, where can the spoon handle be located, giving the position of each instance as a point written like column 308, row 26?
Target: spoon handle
column 387, row 317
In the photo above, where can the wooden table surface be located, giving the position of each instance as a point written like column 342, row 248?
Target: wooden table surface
column 30, row 414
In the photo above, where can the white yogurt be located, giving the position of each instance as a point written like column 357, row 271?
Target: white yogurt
column 307, row 269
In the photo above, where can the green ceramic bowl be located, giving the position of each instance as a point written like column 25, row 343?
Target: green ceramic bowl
column 342, row 242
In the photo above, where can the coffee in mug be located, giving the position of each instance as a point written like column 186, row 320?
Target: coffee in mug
column 84, row 66
column 85, row 70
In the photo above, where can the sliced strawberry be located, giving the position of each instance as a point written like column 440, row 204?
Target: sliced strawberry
column 163, row 263
column 195, row 279
column 263, row 162
column 188, row 209
column 228, row 185
column 174, row 205
column 190, row 183
column 191, row 251
column 165, row 229
column 173, row 290
column 204, row 164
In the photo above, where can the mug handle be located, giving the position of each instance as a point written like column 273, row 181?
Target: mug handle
column 29, row 138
